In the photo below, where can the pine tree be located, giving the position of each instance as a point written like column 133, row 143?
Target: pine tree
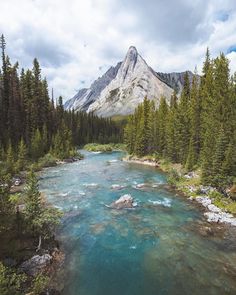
column 229, row 163
column 37, row 101
column 183, row 122
column 15, row 112
column 21, row 157
column 144, row 134
column 129, row 135
column 219, row 159
column 32, row 200
column 195, row 123
column 36, row 149
column 208, row 126
column 162, row 120
column 5, row 185
column 171, row 136
column 10, row 159
column 45, row 143
column 5, row 92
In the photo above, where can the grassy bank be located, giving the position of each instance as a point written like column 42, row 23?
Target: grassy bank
column 49, row 161
column 96, row 147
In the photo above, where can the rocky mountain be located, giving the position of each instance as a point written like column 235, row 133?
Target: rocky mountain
column 123, row 87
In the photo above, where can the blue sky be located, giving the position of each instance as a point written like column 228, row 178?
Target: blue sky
column 76, row 41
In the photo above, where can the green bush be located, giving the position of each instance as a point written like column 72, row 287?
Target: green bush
column 94, row 147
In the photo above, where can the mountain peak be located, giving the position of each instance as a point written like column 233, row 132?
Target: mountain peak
column 129, row 63
column 132, row 54
column 133, row 49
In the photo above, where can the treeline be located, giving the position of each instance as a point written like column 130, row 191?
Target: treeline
column 32, row 124
column 197, row 130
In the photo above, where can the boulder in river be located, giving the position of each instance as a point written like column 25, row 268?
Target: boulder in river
column 36, row 264
column 125, row 201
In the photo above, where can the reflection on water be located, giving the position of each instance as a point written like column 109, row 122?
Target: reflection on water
column 163, row 246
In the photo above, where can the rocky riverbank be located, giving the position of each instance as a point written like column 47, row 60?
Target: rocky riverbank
column 203, row 195
column 214, row 213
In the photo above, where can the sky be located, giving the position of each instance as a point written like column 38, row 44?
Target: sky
column 77, row 41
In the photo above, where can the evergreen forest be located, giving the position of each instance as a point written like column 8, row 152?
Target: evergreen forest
column 198, row 129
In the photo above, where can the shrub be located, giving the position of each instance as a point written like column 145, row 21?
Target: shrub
column 173, row 177
column 47, row 161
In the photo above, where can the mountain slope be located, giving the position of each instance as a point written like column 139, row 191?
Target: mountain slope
column 86, row 96
column 175, row 80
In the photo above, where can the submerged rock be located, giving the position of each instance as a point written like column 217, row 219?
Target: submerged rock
column 117, row 186
column 125, row 201
column 36, row 264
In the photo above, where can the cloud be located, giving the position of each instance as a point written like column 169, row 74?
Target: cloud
column 174, row 22
column 77, row 41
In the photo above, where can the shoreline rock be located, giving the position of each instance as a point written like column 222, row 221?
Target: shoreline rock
column 214, row 213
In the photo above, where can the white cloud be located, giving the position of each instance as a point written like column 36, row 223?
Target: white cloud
column 76, row 41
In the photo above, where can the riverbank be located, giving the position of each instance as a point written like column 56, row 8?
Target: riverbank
column 18, row 181
column 218, row 208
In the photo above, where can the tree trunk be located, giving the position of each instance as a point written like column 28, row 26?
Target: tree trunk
column 39, row 244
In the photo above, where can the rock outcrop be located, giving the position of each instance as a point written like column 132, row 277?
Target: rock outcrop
column 36, row 264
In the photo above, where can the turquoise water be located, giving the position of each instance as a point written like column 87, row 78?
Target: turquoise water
column 156, row 248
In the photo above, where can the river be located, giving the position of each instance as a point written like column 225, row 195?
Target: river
column 158, row 248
